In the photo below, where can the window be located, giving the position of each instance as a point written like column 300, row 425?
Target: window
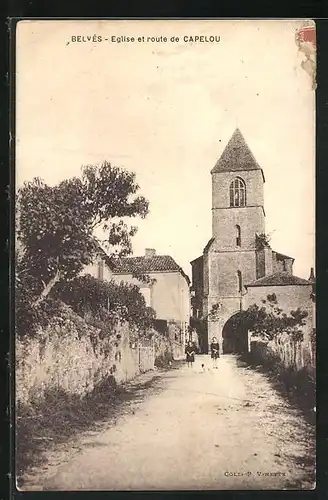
column 239, row 281
column 238, row 193
column 238, row 236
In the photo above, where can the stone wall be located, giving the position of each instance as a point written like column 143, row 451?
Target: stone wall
column 290, row 355
column 223, row 279
column 60, row 358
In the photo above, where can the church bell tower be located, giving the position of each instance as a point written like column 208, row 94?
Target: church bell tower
column 237, row 217
column 237, row 197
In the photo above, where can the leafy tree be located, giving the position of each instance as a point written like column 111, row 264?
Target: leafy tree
column 269, row 320
column 56, row 225
column 107, row 301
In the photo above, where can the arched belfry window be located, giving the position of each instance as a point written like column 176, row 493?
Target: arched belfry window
column 239, row 281
column 238, row 236
column 238, row 193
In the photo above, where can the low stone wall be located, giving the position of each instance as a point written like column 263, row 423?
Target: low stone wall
column 292, row 366
column 295, row 355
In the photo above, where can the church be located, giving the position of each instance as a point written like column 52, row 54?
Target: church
column 238, row 267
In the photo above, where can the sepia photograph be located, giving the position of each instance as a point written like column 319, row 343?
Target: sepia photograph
column 165, row 283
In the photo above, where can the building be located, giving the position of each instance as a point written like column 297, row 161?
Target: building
column 291, row 293
column 163, row 283
column 238, row 267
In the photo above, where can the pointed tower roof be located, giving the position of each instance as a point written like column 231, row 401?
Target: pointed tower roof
column 236, row 156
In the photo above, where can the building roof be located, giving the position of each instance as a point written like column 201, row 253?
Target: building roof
column 281, row 256
column 208, row 245
column 143, row 265
column 103, row 255
column 197, row 258
column 236, row 156
column 282, row 278
column 205, row 250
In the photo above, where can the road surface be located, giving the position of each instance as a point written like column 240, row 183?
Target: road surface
column 196, row 429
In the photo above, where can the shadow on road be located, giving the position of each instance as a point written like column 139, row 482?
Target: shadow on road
column 296, row 388
column 298, row 391
column 61, row 417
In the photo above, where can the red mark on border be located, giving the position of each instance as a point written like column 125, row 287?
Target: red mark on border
column 308, row 34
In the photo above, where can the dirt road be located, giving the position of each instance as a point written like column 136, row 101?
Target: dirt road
column 196, row 430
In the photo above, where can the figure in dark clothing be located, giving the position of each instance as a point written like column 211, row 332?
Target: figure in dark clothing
column 215, row 351
column 190, row 353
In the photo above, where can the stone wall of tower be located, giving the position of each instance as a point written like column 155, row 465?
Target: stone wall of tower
column 260, row 263
column 223, row 278
column 225, row 218
column 224, row 285
column 226, row 255
column 249, row 218
column 228, row 307
column 233, row 249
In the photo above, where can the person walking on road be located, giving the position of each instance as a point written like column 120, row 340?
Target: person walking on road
column 215, row 352
column 190, row 354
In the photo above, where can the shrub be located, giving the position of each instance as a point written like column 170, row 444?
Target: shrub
column 162, row 361
column 269, row 321
column 107, row 301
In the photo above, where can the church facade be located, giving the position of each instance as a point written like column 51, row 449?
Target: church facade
column 238, row 255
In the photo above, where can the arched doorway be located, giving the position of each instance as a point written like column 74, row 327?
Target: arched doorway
column 235, row 335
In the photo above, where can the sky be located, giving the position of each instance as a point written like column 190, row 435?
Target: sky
column 166, row 110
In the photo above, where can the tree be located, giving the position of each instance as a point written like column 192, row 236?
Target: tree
column 56, row 225
column 107, row 301
column 269, row 320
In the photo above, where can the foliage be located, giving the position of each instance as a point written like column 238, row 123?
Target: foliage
column 314, row 343
column 269, row 321
column 163, row 360
column 51, row 311
column 28, row 318
column 214, row 312
column 298, row 384
column 107, row 301
column 262, row 241
column 144, row 278
column 56, row 225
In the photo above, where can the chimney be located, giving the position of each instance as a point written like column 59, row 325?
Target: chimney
column 312, row 278
column 150, row 252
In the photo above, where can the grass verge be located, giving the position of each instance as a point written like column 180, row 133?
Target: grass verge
column 298, row 387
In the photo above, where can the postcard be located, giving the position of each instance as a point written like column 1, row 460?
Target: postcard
column 164, row 255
